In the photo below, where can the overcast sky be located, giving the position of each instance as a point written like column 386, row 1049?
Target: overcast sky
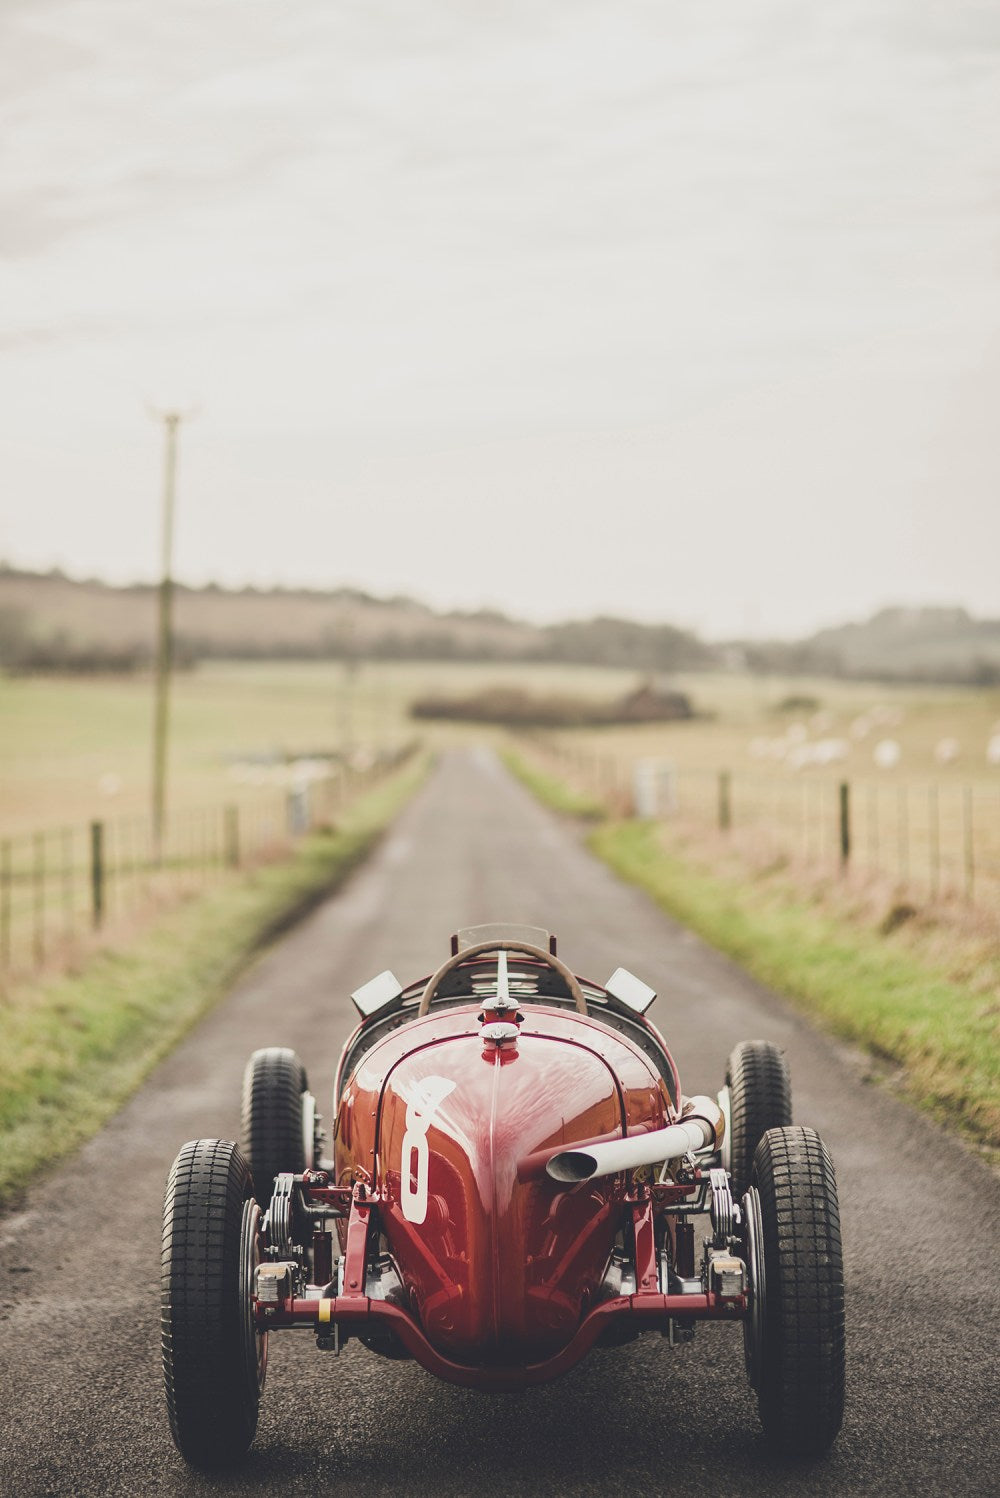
column 677, row 311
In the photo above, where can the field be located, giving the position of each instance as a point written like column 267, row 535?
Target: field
column 735, row 710
column 929, row 823
column 244, row 777
column 73, row 749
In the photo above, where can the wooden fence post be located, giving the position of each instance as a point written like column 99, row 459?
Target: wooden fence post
column 725, row 801
column 845, row 823
column 97, row 873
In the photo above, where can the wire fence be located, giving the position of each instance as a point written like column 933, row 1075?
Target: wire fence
column 61, row 886
column 936, row 839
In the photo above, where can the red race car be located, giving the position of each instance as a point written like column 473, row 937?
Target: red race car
column 516, row 1176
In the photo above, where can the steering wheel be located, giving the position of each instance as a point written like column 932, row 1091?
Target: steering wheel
column 526, row 950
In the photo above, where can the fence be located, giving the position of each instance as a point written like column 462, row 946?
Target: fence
column 937, row 839
column 60, row 886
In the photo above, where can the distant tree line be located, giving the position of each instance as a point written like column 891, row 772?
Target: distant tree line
column 25, row 652
column 512, row 707
column 778, row 658
column 47, row 624
column 28, row 643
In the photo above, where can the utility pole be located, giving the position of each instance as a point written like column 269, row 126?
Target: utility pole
column 350, row 666
column 164, row 632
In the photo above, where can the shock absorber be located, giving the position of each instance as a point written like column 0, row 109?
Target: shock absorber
column 684, row 1248
column 322, row 1254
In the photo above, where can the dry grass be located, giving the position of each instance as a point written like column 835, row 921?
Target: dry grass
column 916, row 984
column 76, row 1046
column 933, row 828
column 735, row 710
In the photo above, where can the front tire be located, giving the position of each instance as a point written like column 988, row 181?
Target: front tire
column 213, row 1363
column 275, row 1094
column 760, row 1098
column 798, row 1366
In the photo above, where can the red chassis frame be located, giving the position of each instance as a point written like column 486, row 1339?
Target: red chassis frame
column 648, row 1308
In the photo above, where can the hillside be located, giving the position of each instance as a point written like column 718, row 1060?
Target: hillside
column 913, row 642
column 895, row 644
column 50, row 621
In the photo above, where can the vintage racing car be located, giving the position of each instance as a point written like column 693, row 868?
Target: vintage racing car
column 516, row 1175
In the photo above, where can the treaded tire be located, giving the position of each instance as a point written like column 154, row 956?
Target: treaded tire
column 800, row 1377
column 271, row 1115
column 212, row 1402
column 760, row 1098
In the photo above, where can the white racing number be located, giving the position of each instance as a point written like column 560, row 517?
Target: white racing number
column 428, row 1095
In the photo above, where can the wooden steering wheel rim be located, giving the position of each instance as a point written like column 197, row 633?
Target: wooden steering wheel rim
column 525, row 949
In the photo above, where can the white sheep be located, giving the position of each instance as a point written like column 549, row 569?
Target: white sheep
column 887, row 754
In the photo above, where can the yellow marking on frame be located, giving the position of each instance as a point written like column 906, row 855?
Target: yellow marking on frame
column 324, row 1310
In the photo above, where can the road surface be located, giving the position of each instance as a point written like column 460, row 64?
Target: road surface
column 81, row 1406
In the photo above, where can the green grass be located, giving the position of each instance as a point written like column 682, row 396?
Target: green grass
column 553, row 792
column 940, row 1036
column 854, row 982
column 76, row 1048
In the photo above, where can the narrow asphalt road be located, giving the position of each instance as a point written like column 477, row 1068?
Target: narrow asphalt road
column 82, row 1412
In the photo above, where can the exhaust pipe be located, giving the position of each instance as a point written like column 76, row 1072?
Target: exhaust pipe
column 701, row 1126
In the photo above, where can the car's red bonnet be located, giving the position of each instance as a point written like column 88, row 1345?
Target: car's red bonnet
column 498, row 1262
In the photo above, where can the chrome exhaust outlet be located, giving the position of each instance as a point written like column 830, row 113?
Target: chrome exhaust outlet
column 700, row 1127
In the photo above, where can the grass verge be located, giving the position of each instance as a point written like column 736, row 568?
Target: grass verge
column 75, row 1048
column 553, row 792
column 881, row 989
